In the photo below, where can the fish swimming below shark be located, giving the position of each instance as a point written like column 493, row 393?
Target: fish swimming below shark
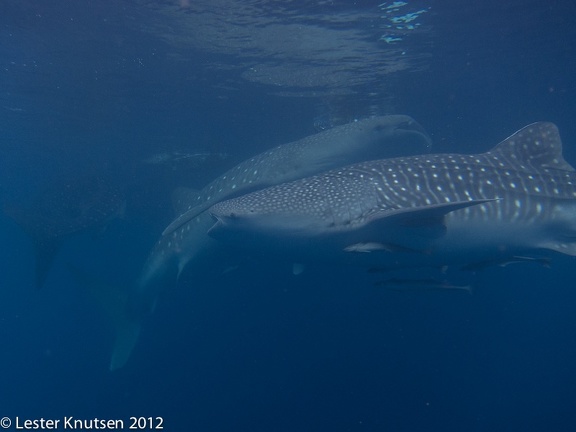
column 428, row 284
column 398, row 212
column 518, row 199
column 194, row 159
column 186, row 241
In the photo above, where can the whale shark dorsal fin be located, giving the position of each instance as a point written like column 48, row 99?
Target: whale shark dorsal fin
column 45, row 246
column 112, row 299
column 535, row 146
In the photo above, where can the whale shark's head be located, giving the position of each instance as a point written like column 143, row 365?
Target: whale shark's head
column 309, row 207
column 237, row 220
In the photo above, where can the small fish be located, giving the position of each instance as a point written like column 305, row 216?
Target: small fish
column 504, row 262
column 175, row 156
column 377, row 247
column 368, row 247
column 298, row 269
column 421, row 284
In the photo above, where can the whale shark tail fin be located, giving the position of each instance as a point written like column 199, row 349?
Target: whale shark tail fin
column 46, row 244
column 112, row 300
column 125, row 340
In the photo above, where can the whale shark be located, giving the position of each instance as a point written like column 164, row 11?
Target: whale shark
column 187, row 236
column 185, row 241
column 341, row 145
column 64, row 209
column 517, row 199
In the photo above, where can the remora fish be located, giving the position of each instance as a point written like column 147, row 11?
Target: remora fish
column 63, row 210
column 430, row 284
column 195, row 159
column 186, row 240
column 341, row 145
column 515, row 199
column 483, row 265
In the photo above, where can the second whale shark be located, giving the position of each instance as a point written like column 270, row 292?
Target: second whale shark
column 186, row 237
column 185, row 241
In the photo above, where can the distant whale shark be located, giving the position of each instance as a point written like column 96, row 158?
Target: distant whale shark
column 63, row 210
column 430, row 210
column 186, row 241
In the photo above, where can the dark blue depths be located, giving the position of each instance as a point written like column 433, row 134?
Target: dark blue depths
column 258, row 349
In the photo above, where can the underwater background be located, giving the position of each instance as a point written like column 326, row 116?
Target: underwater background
column 154, row 95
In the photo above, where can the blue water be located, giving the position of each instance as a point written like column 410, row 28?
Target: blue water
column 98, row 87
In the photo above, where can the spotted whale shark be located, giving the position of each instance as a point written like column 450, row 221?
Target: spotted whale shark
column 186, row 237
column 185, row 241
column 517, row 199
column 64, row 209
column 341, row 145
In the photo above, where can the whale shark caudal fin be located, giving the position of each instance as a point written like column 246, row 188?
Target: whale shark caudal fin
column 112, row 300
column 125, row 340
column 45, row 251
column 45, row 246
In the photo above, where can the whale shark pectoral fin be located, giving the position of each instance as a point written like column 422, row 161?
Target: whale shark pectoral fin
column 415, row 216
column 426, row 221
